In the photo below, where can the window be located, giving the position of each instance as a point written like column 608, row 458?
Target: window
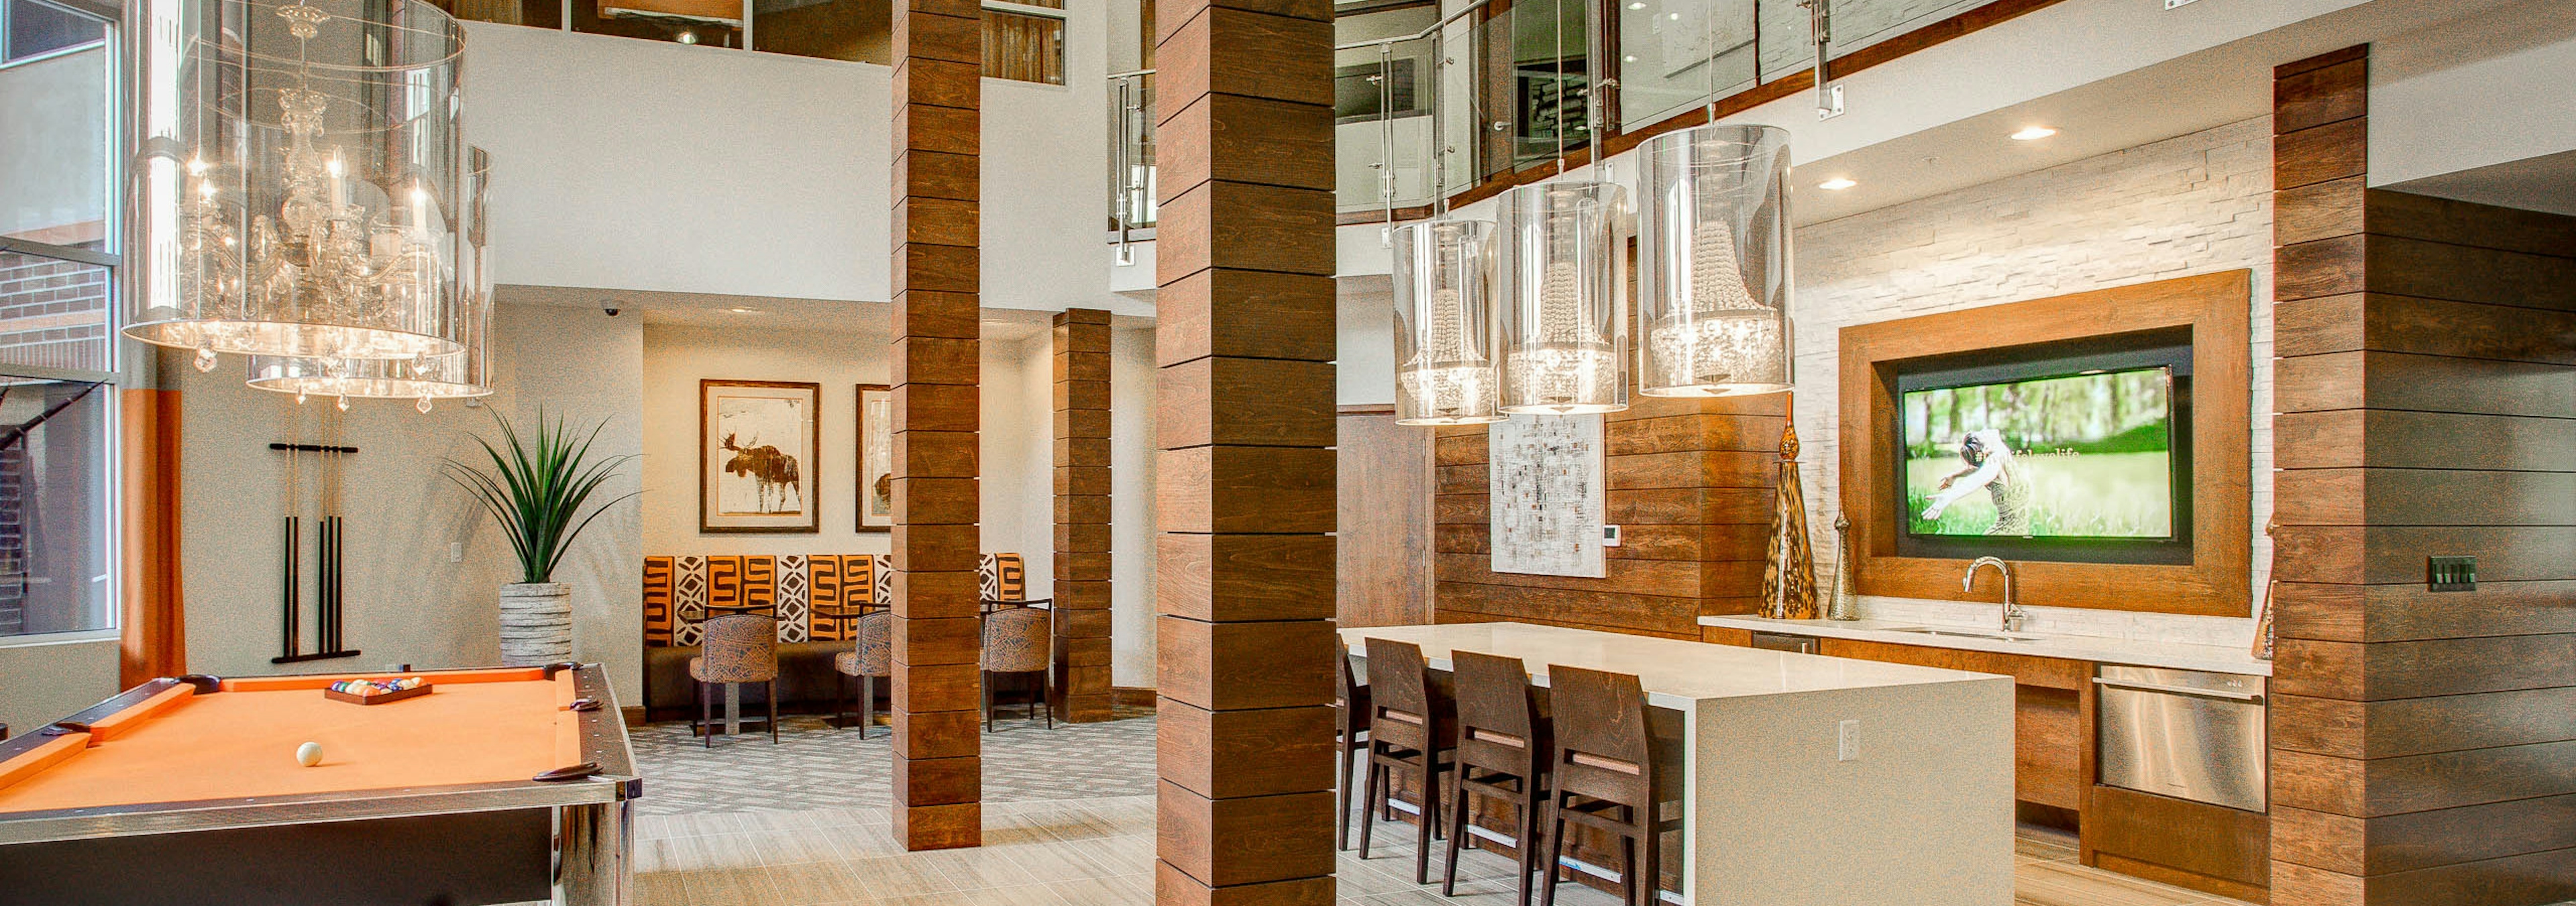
column 1024, row 42
column 54, row 507
column 34, row 28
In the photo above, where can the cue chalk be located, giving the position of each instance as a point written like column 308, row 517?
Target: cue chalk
column 561, row 666
column 206, row 684
column 575, row 772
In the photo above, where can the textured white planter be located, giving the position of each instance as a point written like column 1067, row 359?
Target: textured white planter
column 536, row 623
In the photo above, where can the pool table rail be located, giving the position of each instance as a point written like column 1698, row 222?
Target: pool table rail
column 603, row 741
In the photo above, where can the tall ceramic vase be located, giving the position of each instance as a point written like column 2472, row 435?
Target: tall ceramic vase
column 536, row 623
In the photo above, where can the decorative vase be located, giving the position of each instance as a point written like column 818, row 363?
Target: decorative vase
column 1842, row 604
column 536, row 623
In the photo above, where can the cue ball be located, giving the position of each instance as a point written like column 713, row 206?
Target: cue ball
column 308, row 754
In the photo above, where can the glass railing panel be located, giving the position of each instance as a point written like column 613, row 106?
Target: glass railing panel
column 1131, row 154
column 1788, row 36
column 1383, row 101
column 1678, row 54
column 1548, row 80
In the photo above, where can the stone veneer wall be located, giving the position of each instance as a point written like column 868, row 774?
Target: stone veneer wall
column 2193, row 204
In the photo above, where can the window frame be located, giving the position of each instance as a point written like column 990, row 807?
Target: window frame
column 107, row 18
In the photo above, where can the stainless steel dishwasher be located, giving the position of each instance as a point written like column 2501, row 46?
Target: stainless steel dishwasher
column 2188, row 734
column 1781, row 641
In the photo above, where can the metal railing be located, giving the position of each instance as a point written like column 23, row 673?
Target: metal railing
column 1131, row 160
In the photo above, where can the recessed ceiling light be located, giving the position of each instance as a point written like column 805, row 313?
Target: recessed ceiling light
column 1636, row 6
column 744, row 311
column 1675, row 17
column 1836, row 184
column 1631, row 58
column 2033, row 133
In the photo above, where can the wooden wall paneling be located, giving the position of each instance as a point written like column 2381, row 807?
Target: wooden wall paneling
column 1690, row 485
column 153, row 621
column 937, row 746
column 1081, row 618
column 2422, row 750
column 1245, row 421
column 1384, row 472
column 2213, row 306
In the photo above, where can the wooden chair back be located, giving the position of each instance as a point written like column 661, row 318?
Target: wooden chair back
column 1498, row 718
column 1406, row 709
column 1602, row 747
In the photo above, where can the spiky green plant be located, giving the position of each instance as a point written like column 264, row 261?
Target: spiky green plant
column 537, row 491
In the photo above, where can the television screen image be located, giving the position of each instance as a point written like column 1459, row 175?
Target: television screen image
column 2081, row 456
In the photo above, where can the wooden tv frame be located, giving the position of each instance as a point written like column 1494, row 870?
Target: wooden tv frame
column 2217, row 580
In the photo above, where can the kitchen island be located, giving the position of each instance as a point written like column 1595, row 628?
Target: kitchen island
column 1804, row 779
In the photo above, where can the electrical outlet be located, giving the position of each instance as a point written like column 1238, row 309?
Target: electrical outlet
column 2451, row 573
column 1849, row 747
column 456, row 552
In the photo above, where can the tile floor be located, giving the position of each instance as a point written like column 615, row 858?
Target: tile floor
column 1089, row 842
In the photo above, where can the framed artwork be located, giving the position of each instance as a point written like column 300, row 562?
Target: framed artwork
column 756, row 448
column 876, row 458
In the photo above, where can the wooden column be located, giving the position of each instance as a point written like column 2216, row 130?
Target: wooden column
column 2421, row 751
column 1245, row 405
column 1082, row 514
column 154, row 619
column 938, row 730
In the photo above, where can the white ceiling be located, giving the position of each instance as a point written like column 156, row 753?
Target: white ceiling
column 706, row 310
column 2546, row 183
column 2191, row 93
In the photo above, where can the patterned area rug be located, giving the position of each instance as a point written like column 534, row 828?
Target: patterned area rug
column 815, row 766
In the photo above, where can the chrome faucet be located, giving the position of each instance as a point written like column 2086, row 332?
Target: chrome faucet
column 2013, row 615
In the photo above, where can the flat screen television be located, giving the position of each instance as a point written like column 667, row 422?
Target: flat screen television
column 2075, row 452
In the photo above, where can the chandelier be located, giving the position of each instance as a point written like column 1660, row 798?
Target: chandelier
column 425, row 379
column 1444, row 324
column 1713, row 285
column 1564, row 338
column 300, row 168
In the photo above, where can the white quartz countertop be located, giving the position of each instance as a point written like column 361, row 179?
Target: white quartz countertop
column 2220, row 658
column 1674, row 673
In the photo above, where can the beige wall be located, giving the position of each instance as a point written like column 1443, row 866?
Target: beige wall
column 48, row 682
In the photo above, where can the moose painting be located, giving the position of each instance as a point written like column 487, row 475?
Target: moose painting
column 756, row 450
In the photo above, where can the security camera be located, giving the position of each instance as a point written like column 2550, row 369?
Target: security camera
column 610, row 306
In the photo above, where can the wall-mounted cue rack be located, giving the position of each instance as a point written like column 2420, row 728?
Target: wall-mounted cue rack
column 333, row 533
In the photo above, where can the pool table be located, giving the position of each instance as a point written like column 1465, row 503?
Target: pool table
column 499, row 785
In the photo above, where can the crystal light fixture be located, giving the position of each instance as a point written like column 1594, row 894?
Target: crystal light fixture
column 300, row 166
column 1444, row 324
column 1713, row 281
column 1564, row 336
column 425, row 379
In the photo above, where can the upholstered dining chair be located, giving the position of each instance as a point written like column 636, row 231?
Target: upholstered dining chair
column 872, row 657
column 739, row 648
column 1016, row 640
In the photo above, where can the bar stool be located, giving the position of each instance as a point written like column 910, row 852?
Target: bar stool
column 739, row 648
column 1016, row 641
column 1504, row 745
column 1605, row 776
column 1351, row 714
column 1413, row 728
column 870, row 658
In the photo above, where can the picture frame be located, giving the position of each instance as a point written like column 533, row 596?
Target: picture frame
column 874, row 490
column 756, row 456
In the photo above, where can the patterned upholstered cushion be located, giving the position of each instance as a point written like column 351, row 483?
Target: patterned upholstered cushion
column 740, row 648
column 814, row 597
column 1015, row 640
column 874, row 653
column 1002, row 577
column 885, row 580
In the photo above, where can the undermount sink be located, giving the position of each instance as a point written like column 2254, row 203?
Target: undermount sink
column 1960, row 633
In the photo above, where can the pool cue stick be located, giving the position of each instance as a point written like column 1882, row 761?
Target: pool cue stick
column 294, row 554
column 328, row 506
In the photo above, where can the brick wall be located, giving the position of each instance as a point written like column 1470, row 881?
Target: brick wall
column 2188, row 205
column 53, row 313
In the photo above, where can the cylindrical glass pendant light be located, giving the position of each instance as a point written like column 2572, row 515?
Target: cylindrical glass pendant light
column 463, row 373
column 300, row 168
column 1713, row 248
column 1564, row 336
column 1444, row 324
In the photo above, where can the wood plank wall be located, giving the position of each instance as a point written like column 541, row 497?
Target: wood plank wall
column 1690, row 484
column 1384, row 471
column 1244, row 402
column 938, row 730
column 1082, row 513
column 2423, row 744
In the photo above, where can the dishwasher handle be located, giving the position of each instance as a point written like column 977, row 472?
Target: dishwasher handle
column 2251, row 698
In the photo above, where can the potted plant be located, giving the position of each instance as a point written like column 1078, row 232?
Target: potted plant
column 536, row 491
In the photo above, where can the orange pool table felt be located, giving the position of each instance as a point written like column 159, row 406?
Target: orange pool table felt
column 479, row 726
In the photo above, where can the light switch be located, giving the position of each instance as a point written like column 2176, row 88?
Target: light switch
column 1850, row 748
column 456, row 552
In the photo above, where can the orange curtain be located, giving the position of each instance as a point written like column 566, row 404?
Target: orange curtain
column 154, row 619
